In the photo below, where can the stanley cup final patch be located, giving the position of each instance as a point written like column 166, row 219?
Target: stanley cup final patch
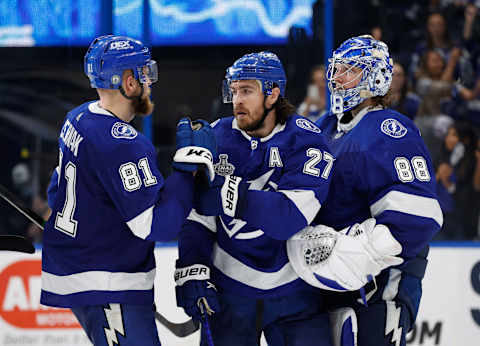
column 393, row 128
column 223, row 167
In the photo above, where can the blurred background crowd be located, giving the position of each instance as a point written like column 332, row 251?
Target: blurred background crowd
column 435, row 45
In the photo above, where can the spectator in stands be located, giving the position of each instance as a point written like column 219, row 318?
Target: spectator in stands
column 403, row 100
column 435, row 80
column 438, row 39
column 471, row 26
column 454, row 174
column 476, row 176
column 22, row 187
column 476, row 186
column 314, row 104
column 434, row 86
column 377, row 33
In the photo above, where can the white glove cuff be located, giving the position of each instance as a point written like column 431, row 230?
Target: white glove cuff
column 197, row 155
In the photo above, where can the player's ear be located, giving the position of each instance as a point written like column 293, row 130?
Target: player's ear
column 273, row 97
column 129, row 83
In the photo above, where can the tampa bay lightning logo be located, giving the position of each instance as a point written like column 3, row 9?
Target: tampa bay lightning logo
column 122, row 130
column 307, row 125
column 393, row 128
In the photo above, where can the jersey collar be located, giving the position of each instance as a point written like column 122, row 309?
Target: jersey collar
column 348, row 126
column 278, row 128
column 94, row 107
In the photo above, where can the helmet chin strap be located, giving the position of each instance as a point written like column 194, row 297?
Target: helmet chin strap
column 122, row 91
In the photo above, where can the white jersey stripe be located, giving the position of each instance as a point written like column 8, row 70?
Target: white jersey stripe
column 240, row 272
column 305, row 201
column 207, row 221
column 97, row 281
column 392, row 322
column 141, row 225
column 408, row 204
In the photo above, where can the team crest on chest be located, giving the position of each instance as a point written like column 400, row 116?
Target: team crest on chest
column 393, row 128
column 223, row 167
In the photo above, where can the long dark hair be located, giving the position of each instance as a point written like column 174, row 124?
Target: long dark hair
column 283, row 109
column 446, row 36
column 385, row 101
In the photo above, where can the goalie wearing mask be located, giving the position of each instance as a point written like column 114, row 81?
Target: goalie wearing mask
column 383, row 183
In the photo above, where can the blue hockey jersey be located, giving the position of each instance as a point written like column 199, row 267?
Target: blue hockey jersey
column 109, row 204
column 288, row 174
column 382, row 169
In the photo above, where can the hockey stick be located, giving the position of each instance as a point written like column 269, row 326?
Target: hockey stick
column 14, row 242
column 15, row 202
column 17, row 243
column 179, row 329
column 206, row 311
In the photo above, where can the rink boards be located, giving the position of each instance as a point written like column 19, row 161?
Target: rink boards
column 449, row 313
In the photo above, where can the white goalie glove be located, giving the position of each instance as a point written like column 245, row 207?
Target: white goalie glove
column 344, row 260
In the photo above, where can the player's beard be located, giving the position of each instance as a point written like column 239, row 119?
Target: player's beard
column 143, row 106
column 244, row 123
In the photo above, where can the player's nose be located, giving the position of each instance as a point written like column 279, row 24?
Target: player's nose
column 237, row 100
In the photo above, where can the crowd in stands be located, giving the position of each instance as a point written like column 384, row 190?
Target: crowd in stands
column 436, row 49
column 436, row 83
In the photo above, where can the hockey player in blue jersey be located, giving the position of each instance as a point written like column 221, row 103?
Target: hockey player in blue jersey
column 110, row 203
column 384, row 181
column 272, row 177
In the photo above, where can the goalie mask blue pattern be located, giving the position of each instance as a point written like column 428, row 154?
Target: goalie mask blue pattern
column 263, row 66
column 373, row 58
column 108, row 56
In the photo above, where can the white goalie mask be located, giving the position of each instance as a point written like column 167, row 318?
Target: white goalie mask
column 375, row 76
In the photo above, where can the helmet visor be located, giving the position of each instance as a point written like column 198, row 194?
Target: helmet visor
column 226, row 92
column 148, row 73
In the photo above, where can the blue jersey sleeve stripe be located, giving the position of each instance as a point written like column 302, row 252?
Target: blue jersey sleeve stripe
column 408, row 204
column 239, row 271
column 141, row 225
column 305, row 201
column 97, row 281
column 207, row 221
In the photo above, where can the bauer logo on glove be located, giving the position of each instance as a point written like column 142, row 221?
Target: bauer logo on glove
column 193, row 272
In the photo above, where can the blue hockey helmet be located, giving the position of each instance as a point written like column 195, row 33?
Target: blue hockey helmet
column 375, row 77
column 265, row 67
column 108, row 56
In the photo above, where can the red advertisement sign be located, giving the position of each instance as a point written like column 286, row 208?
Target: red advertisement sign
column 20, row 285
